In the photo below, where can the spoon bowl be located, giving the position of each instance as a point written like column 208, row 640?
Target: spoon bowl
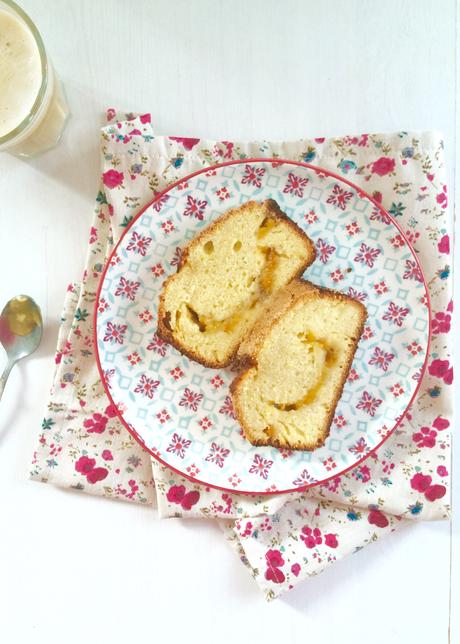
column 21, row 328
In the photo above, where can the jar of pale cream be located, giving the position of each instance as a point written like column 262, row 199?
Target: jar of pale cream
column 33, row 108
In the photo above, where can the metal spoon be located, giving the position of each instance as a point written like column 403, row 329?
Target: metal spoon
column 21, row 329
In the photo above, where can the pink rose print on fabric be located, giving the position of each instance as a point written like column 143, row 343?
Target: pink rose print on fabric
column 253, row 176
column 178, row 445
column 190, row 399
column 444, row 245
column 376, row 517
column 383, row 166
column 96, row 424
column 86, row 466
column 295, row 569
column 187, row 142
column 295, row 185
column 325, row 250
column 395, row 314
column 339, row 197
column 331, row 540
column 435, row 492
column 115, row 333
column 178, row 494
column 311, row 538
column 195, row 208
column 368, row 403
column 260, row 466
column 139, row 244
column 112, row 179
column 441, row 198
column 381, row 359
column 274, row 561
column 107, row 455
column 227, row 408
column 442, row 369
column 422, row 483
column 441, row 423
column 367, row 255
column 217, row 454
column 157, row 345
column 127, row 289
column 426, row 437
column 146, row 386
column 441, row 323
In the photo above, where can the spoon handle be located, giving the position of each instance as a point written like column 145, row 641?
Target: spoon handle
column 5, row 374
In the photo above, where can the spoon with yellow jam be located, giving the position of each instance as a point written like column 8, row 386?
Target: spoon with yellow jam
column 21, row 329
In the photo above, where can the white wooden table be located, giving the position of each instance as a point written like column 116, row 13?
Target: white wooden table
column 75, row 568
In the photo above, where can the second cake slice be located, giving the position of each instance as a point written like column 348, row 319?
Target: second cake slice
column 295, row 362
column 225, row 275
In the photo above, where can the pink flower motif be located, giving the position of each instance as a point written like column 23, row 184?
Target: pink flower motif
column 96, row 424
column 190, row 399
column 158, row 270
column 331, row 540
column 381, row 359
column 223, row 193
column 216, row 381
column 205, row 423
column 353, row 375
column 178, row 445
column 175, row 261
column 412, row 271
column 336, row 275
column 380, row 287
column 398, row 241
column 112, row 178
column 227, row 408
column 396, row 314
column 295, row 185
column 176, row 493
column 441, row 198
column 177, row 373
column 115, row 333
column 295, row 569
column 133, row 358
column 311, row 538
column 157, row 345
column 441, row 323
column 397, row 390
column 187, row 142
column 84, row 465
column 217, row 455
column 377, row 214
column 253, row 176
column 353, row 228
column 98, row 474
column 163, row 416
column 435, row 492
column 362, row 473
column 311, row 216
column 260, row 466
column 444, row 245
column 107, row 455
column 442, row 369
column 159, row 203
column 339, row 197
column 146, row 386
column 376, row 517
column 195, row 208
column 325, row 250
column 304, row 479
column 441, row 423
column 339, row 421
column 361, row 296
column 442, row 471
column 367, row 255
column 127, row 288
column 274, row 558
column 383, row 166
column 420, row 482
column 168, row 226
column 414, row 348
column 368, row 403
column 145, row 316
column 361, row 447
column 190, row 499
column 139, row 243
column 111, row 411
column 426, row 437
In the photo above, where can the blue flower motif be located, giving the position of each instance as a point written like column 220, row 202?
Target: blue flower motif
column 136, row 168
column 444, row 273
column 177, row 162
column 435, row 392
column 310, row 155
column 408, row 153
column 346, row 165
column 417, row 508
column 352, row 516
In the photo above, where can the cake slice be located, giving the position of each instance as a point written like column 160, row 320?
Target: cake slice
column 225, row 275
column 295, row 362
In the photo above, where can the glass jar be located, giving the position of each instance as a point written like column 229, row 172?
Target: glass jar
column 33, row 107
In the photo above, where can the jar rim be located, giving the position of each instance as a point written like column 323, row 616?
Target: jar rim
column 19, row 129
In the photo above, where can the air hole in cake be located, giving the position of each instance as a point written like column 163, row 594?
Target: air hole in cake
column 208, row 248
column 195, row 318
column 237, row 246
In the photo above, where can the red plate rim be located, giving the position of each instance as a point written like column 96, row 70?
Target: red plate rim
column 275, row 161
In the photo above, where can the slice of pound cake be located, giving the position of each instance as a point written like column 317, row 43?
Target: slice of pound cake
column 295, row 362
column 225, row 275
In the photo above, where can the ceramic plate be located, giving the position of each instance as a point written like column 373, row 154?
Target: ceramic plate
column 180, row 411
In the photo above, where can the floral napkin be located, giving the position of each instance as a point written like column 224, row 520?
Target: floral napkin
column 282, row 539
